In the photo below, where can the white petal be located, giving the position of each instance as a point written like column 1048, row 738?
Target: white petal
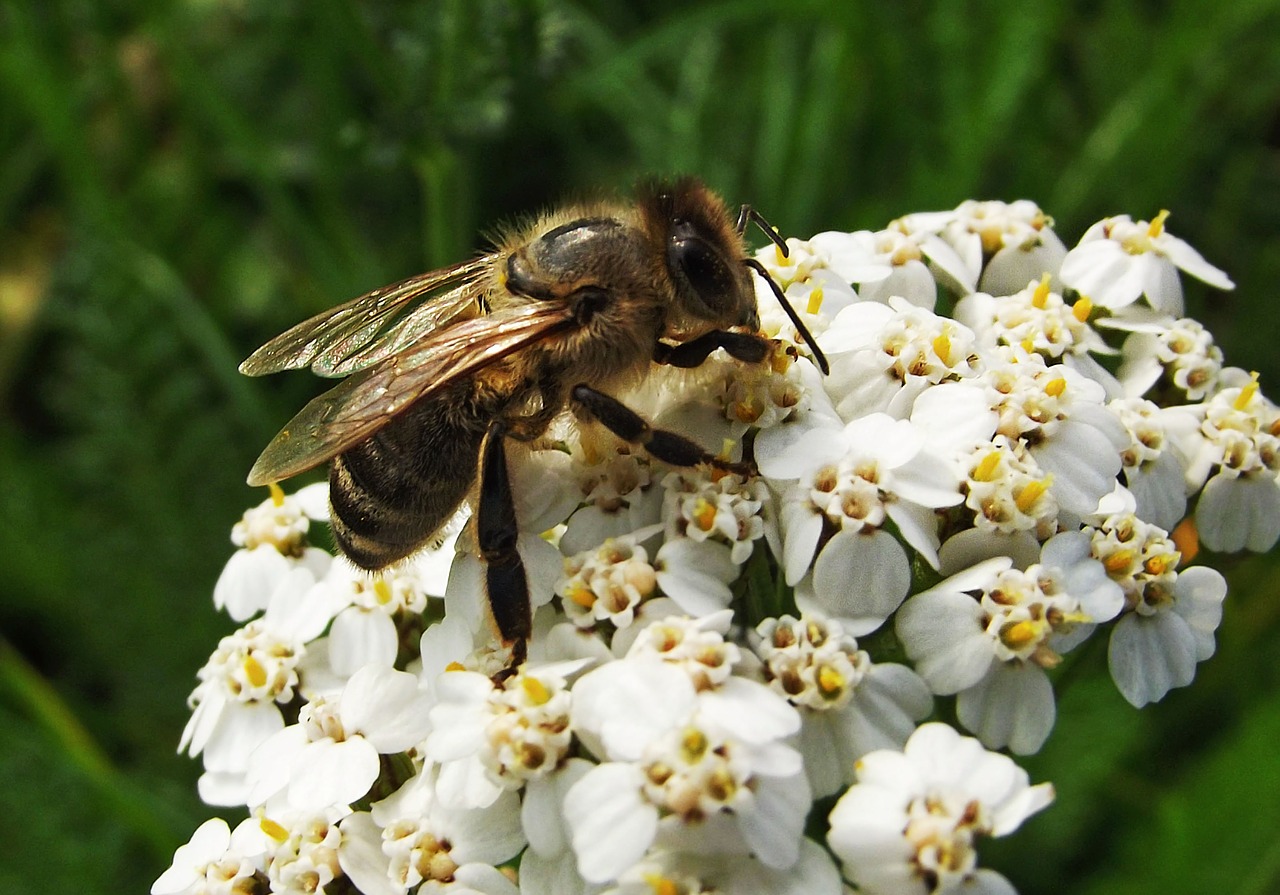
column 942, row 633
column 1149, row 656
column 696, row 574
column 1235, row 513
column 387, row 706
column 359, row 637
column 801, row 527
column 248, row 579
column 1012, row 707
column 330, row 774
column 629, row 703
column 862, row 578
column 749, row 711
column 1200, row 591
column 774, row 825
column 361, row 857
column 611, row 824
column 540, row 811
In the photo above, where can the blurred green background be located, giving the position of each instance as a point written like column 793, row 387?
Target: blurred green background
column 179, row 181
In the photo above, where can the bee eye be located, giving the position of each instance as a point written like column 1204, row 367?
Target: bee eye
column 702, row 272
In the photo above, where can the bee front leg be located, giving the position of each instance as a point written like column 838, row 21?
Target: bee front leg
column 506, row 584
column 747, row 347
column 669, row 447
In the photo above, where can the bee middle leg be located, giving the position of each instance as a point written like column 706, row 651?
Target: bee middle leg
column 506, row 584
column 747, row 347
column 665, row 445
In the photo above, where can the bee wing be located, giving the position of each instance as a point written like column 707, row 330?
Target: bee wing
column 373, row 327
column 358, row 407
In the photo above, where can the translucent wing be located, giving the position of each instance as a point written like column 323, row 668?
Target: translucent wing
column 375, row 326
column 357, row 408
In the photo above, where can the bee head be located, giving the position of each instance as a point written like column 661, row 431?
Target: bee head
column 703, row 252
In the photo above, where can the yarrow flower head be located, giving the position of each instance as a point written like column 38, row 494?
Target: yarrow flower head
column 914, row 819
column 984, row 481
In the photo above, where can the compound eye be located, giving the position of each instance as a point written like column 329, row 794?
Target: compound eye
column 707, row 280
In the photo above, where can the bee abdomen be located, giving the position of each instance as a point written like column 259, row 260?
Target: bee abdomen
column 389, row 495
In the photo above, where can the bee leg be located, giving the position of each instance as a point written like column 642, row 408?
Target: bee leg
column 667, row 446
column 496, row 532
column 747, row 347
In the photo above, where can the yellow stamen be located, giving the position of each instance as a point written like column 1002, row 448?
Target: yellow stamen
column 273, row 829
column 661, row 885
column 1186, row 537
column 830, row 681
column 779, row 255
column 704, row 514
column 1040, row 297
column 582, row 596
column 1020, row 635
column 254, row 671
column 382, row 590
column 535, row 689
column 1157, row 225
column 986, row 469
column 942, row 348
column 1245, row 397
column 277, row 494
column 1082, row 309
column 1158, row 565
column 1118, row 563
column 1028, row 344
column 694, row 745
column 815, row 301
column 455, row 666
column 1055, row 387
column 1030, row 493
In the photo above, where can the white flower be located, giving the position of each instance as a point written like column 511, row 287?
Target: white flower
column 1060, row 416
column 848, row 705
column 365, row 632
column 331, row 756
column 215, row 861
column 701, row 772
column 1170, row 616
column 1117, row 260
column 1016, row 239
column 1180, row 352
column 1036, row 319
column 912, row 822
column 702, row 504
column 411, row 839
column 1239, row 442
column 814, row 873
column 883, row 357
column 301, row 848
column 488, row 739
column 1151, row 470
column 607, row 583
column 851, row 482
column 252, row 673
column 272, row 538
column 992, row 651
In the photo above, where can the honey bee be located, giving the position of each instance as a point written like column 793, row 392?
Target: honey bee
column 443, row 367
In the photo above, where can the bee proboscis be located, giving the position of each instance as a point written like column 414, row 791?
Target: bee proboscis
column 443, row 367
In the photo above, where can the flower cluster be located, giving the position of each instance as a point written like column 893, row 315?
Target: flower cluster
column 990, row 476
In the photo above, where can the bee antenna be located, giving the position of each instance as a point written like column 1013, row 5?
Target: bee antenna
column 819, row 358
column 748, row 215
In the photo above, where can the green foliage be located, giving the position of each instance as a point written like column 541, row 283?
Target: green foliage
column 182, row 180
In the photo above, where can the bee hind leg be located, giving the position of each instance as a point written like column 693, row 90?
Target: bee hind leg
column 665, row 445
column 506, row 584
